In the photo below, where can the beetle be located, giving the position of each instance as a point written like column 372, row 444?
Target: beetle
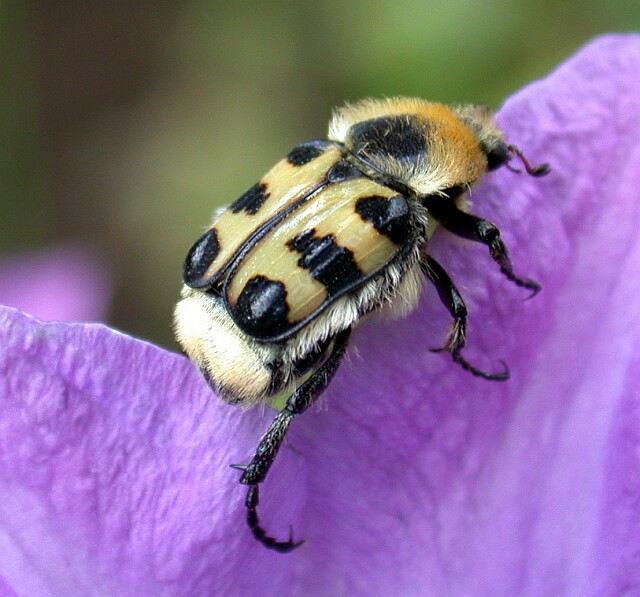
column 336, row 230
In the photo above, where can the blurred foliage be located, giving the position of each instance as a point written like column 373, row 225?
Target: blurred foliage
column 125, row 124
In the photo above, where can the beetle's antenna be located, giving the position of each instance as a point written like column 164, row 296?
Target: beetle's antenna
column 540, row 170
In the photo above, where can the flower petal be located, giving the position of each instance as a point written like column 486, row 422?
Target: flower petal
column 417, row 478
column 424, row 480
column 114, row 468
column 61, row 283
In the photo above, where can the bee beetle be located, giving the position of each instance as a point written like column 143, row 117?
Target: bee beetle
column 336, row 230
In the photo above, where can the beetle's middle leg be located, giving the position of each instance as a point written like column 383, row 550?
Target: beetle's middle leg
column 456, row 338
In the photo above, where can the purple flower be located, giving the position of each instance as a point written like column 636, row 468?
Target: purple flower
column 62, row 283
column 416, row 478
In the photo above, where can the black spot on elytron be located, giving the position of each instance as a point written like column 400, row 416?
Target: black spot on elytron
column 251, row 201
column 199, row 258
column 342, row 171
column 262, row 308
column 390, row 217
column 400, row 137
column 306, row 152
column 333, row 266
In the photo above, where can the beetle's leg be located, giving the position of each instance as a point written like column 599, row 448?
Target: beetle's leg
column 472, row 227
column 453, row 301
column 256, row 471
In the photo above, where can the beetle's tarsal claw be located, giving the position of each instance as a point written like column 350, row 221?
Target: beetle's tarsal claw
column 534, row 291
column 251, row 502
column 500, row 376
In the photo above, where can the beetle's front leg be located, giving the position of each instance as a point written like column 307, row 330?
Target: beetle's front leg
column 474, row 228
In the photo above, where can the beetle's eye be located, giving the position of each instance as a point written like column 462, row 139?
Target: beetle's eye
column 498, row 156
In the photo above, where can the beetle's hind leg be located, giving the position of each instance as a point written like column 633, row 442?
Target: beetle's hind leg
column 256, row 471
column 456, row 337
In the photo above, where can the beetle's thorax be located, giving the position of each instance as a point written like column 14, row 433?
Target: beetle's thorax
column 425, row 146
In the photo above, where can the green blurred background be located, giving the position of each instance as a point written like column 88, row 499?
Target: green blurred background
column 124, row 124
